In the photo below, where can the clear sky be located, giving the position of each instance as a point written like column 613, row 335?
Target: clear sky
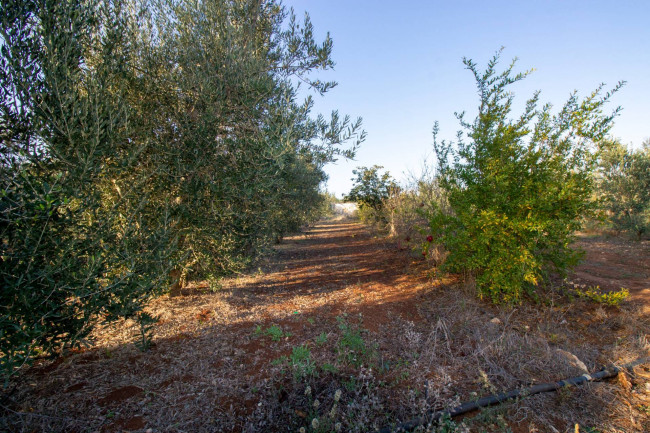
column 399, row 65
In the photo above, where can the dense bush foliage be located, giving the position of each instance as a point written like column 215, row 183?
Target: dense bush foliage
column 517, row 188
column 370, row 190
column 624, row 186
column 147, row 139
column 406, row 211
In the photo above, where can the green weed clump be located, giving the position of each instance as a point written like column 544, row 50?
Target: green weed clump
column 274, row 332
column 352, row 348
column 613, row 298
column 301, row 363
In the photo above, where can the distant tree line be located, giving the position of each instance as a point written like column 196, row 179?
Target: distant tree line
column 143, row 141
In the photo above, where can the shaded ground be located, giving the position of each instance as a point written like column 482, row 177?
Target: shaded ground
column 337, row 309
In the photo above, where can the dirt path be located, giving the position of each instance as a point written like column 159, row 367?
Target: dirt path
column 373, row 322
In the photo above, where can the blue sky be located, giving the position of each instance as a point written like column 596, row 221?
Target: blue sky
column 399, row 65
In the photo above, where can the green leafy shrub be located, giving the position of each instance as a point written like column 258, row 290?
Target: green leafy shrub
column 517, row 188
column 370, row 190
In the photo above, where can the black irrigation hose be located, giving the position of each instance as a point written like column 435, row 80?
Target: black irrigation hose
column 493, row 399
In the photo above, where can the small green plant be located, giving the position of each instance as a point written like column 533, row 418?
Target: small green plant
column 146, row 324
column 258, row 331
column 329, row 368
column 301, row 362
column 402, row 372
column 280, row 361
column 350, row 384
column 351, row 346
column 321, row 339
column 446, row 424
column 613, row 298
column 275, row 332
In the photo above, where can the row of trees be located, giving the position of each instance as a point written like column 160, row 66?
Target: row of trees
column 510, row 193
column 623, row 186
column 142, row 140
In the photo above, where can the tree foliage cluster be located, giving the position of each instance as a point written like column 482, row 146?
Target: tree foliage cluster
column 146, row 139
column 370, row 190
column 623, row 180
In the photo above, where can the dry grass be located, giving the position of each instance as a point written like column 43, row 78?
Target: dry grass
column 377, row 327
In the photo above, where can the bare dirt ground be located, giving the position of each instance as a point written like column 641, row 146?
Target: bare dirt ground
column 614, row 262
column 347, row 329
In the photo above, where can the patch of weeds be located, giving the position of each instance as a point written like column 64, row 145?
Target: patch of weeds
column 564, row 394
column 301, row 362
column 492, row 418
column 329, row 368
column 485, row 382
column 351, row 384
column 553, row 338
column 401, row 376
column 280, row 361
column 399, row 367
column 351, row 346
column 595, row 294
column 321, row 339
column 273, row 331
column 311, row 320
column 258, row 331
column 447, row 425
column 321, row 419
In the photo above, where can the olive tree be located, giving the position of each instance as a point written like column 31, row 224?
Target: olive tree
column 624, row 185
column 143, row 140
